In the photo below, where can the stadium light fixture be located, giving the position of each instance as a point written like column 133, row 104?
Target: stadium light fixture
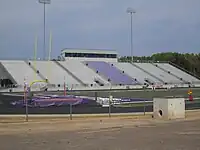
column 131, row 11
column 44, row 2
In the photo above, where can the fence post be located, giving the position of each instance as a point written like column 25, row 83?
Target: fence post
column 70, row 110
column 26, row 111
column 144, row 107
column 144, row 101
column 26, row 89
column 110, row 101
column 95, row 94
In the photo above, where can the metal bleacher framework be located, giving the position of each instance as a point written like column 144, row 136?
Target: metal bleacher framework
column 86, row 73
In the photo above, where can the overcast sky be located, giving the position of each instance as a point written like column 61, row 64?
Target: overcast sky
column 158, row 26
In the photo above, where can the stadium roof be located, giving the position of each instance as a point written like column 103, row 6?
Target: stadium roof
column 94, row 51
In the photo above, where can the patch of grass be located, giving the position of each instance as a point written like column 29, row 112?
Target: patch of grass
column 135, row 104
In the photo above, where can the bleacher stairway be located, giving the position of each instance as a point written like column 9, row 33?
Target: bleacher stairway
column 69, row 72
column 169, row 72
column 159, row 73
column 180, row 72
column 137, row 73
column 54, row 73
column 137, row 66
column 35, row 70
column 83, row 73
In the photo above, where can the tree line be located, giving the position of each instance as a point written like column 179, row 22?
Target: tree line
column 188, row 61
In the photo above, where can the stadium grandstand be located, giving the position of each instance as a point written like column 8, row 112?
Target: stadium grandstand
column 85, row 69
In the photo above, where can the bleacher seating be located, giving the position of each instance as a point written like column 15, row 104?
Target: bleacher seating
column 53, row 72
column 20, row 71
column 178, row 72
column 93, row 73
column 115, row 75
column 135, row 72
column 85, row 74
column 168, row 78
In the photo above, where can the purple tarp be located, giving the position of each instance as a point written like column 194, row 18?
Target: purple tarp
column 46, row 101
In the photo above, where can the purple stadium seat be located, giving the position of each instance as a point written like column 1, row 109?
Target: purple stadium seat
column 110, row 72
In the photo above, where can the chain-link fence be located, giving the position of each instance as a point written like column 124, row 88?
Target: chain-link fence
column 99, row 102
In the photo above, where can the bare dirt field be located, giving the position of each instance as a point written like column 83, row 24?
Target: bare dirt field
column 117, row 133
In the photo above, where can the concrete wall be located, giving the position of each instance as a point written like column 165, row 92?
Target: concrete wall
column 3, row 74
column 169, row 108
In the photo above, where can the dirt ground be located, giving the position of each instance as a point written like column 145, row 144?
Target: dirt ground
column 117, row 133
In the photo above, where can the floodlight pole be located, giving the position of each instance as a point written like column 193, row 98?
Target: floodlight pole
column 131, row 12
column 44, row 2
column 131, row 37
column 44, row 46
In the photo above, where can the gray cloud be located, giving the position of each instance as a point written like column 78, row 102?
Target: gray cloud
column 172, row 25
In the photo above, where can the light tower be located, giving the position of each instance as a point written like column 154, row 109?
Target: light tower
column 44, row 2
column 131, row 11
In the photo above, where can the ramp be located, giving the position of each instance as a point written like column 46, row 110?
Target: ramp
column 19, row 70
column 4, row 72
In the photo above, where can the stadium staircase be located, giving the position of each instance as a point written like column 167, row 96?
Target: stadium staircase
column 35, row 70
column 170, row 73
column 149, row 81
column 190, row 73
column 70, row 73
column 147, row 72
column 99, row 81
column 3, row 69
